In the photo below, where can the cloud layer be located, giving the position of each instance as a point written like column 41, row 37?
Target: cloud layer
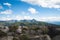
column 6, row 12
column 44, row 3
column 49, row 19
column 16, row 17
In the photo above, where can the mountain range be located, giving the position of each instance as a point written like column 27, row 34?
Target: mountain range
column 28, row 21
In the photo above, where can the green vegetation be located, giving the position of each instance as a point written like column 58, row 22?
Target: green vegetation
column 2, row 34
column 29, row 29
column 24, row 37
column 13, row 28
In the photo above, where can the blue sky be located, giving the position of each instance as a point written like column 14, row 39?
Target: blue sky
column 41, row 10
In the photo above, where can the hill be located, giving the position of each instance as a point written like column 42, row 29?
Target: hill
column 28, row 22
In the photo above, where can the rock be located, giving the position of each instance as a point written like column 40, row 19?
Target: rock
column 56, row 37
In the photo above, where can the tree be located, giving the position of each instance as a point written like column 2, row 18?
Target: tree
column 25, row 29
column 14, row 38
column 13, row 28
column 36, row 29
column 22, row 24
column 2, row 34
column 45, row 30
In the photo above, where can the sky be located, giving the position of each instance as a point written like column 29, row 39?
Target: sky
column 41, row 10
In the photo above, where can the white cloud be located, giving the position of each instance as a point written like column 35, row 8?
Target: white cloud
column 49, row 19
column 7, row 4
column 45, row 3
column 8, row 17
column 27, row 17
column 16, row 17
column 32, row 10
column 5, row 18
column 6, row 12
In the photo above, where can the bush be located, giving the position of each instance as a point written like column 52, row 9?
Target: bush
column 24, row 37
column 45, row 30
column 2, row 34
column 15, row 38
